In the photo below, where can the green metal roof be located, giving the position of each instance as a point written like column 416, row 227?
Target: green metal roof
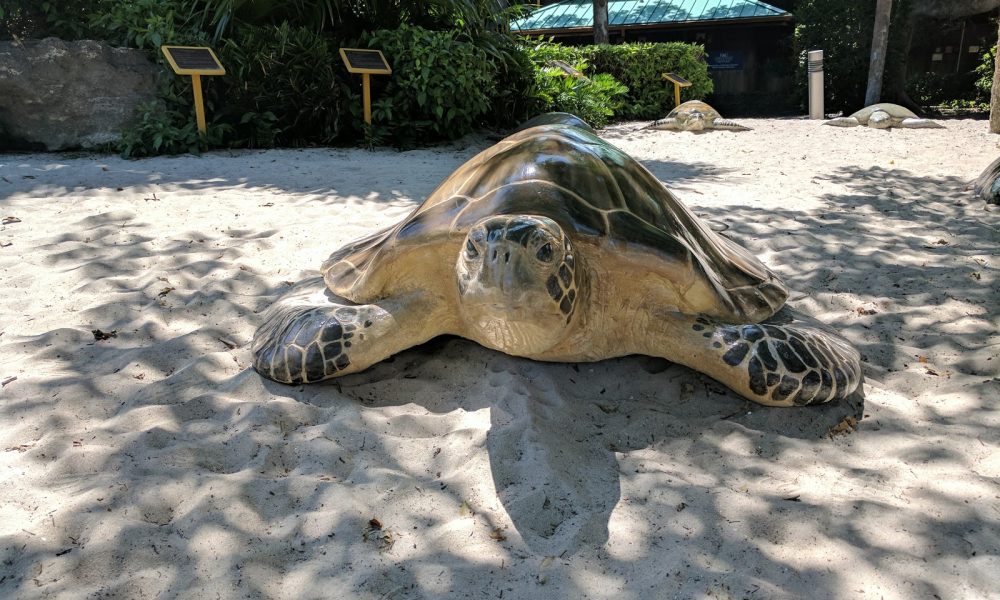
column 570, row 14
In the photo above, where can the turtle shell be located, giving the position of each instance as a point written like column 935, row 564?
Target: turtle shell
column 598, row 194
column 695, row 105
column 894, row 110
column 555, row 118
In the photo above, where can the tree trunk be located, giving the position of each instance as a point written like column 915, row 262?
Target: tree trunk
column 995, row 96
column 880, row 41
column 600, row 21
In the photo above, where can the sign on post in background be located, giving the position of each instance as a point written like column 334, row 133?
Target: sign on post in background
column 367, row 63
column 194, row 61
column 679, row 82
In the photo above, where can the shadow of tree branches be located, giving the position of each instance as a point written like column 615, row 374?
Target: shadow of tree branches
column 171, row 468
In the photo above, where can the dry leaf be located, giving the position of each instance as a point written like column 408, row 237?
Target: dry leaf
column 848, row 425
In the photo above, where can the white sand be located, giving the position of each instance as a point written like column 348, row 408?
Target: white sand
column 156, row 464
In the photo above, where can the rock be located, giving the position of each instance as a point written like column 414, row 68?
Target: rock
column 987, row 186
column 59, row 95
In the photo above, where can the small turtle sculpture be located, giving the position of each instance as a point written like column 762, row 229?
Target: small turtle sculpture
column 884, row 116
column 987, row 185
column 695, row 115
column 557, row 246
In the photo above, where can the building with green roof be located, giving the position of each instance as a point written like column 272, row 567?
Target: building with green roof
column 747, row 42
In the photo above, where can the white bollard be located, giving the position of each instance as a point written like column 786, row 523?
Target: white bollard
column 815, row 69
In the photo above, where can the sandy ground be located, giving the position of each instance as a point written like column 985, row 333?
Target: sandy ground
column 156, row 464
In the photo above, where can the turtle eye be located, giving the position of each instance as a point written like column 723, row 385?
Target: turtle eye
column 470, row 249
column 545, row 253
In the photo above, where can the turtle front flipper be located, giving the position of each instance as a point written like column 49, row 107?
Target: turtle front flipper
column 668, row 124
column 843, row 122
column 917, row 123
column 788, row 360
column 310, row 334
column 728, row 125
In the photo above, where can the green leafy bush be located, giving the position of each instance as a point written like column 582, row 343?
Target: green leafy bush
column 165, row 127
column 843, row 30
column 984, row 75
column 594, row 99
column 640, row 67
column 281, row 87
column 440, row 86
column 145, row 24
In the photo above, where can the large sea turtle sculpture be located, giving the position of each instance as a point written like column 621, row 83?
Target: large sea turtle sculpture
column 987, row 185
column 884, row 116
column 695, row 115
column 557, row 246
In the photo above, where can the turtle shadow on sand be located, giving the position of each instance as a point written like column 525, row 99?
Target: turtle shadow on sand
column 560, row 432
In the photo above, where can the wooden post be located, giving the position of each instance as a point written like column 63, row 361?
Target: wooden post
column 366, row 84
column 199, row 104
column 677, row 95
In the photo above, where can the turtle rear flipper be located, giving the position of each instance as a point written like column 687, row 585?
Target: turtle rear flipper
column 788, row 360
column 915, row 123
column 310, row 335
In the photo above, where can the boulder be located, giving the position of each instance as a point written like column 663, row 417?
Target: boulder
column 58, row 95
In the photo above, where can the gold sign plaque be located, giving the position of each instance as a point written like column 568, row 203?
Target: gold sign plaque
column 193, row 60
column 370, row 62
column 677, row 79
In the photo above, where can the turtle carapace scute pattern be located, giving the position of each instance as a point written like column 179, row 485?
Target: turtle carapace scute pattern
column 557, row 246
column 697, row 116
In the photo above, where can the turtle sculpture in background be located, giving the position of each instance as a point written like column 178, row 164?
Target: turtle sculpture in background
column 884, row 116
column 987, row 185
column 695, row 115
column 557, row 246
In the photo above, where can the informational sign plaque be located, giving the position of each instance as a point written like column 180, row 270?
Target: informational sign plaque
column 367, row 63
column 194, row 61
column 358, row 60
column 679, row 82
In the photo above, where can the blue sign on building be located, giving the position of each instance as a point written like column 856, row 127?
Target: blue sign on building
column 725, row 60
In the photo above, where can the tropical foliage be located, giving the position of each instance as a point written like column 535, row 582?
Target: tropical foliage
column 455, row 67
column 639, row 67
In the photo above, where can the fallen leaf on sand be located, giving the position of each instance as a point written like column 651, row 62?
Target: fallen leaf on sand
column 931, row 371
column 9, row 220
column 848, row 425
column 165, row 291
column 497, row 534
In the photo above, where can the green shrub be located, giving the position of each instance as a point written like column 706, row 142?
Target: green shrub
column 640, row 67
column 594, row 99
column 843, row 30
column 513, row 95
column 984, row 75
column 440, row 86
column 281, row 87
column 145, row 24
column 167, row 127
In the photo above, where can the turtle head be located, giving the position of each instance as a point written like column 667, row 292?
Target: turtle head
column 517, row 278
column 695, row 121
